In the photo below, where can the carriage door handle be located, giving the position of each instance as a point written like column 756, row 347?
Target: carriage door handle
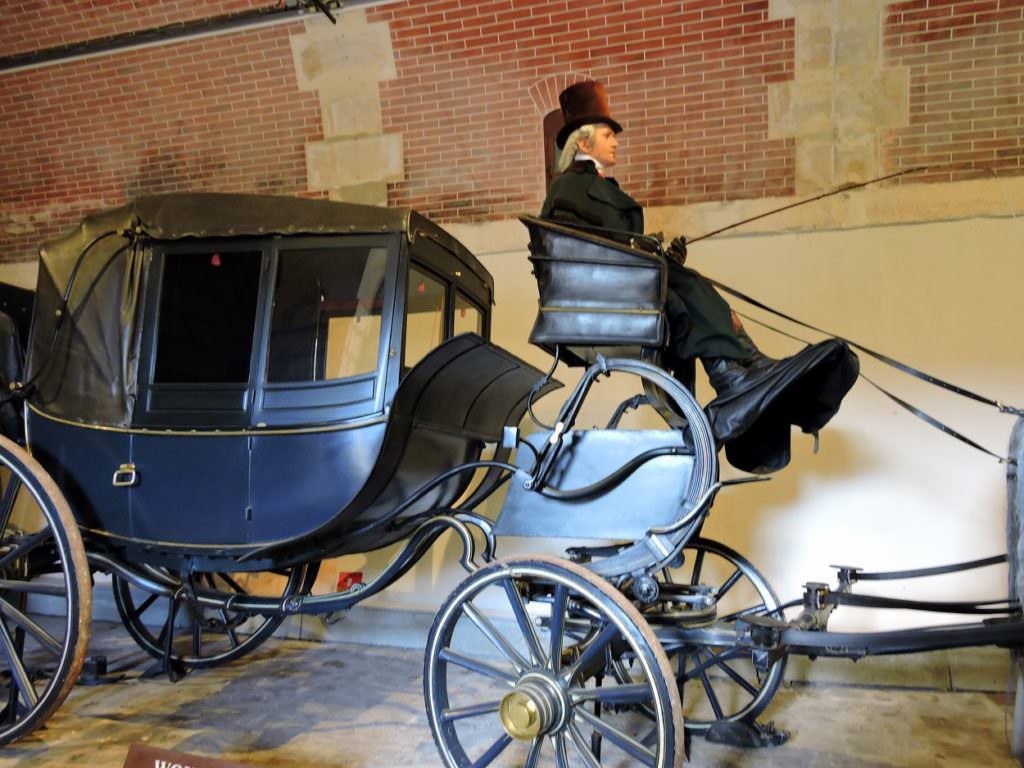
column 125, row 476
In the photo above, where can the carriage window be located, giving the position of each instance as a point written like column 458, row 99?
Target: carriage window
column 207, row 316
column 468, row 318
column 326, row 319
column 424, row 324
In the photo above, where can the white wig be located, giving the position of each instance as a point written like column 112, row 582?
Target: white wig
column 583, row 133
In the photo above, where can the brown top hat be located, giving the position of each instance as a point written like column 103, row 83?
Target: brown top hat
column 582, row 104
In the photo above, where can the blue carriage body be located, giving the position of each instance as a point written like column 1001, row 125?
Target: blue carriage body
column 220, row 374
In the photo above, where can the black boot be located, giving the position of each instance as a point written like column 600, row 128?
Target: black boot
column 729, row 376
column 759, row 398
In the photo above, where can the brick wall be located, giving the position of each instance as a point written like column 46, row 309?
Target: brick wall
column 687, row 80
column 221, row 113
column 31, row 25
column 691, row 81
column 966, row 62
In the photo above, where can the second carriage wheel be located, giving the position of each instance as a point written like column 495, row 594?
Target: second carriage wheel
column 517, row 672
column 45, row 595
column 721, row 682
column 204, row 636
column 1015, row 558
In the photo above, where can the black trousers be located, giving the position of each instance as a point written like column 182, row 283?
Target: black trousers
column 700, row 320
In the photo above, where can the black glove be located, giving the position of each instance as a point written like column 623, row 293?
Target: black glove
column 677, row 249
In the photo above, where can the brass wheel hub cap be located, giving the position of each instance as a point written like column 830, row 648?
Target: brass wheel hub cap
column 535, row 706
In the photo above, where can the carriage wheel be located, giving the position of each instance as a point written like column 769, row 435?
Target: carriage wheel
column 517, row 672
column 45, row 595
column 206, row 636
column 720, row 683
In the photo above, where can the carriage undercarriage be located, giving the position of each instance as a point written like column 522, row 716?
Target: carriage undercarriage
column 606, row 656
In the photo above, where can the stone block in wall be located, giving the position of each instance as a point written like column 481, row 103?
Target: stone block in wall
column 856, row 159
column 800, row 109
column 857, row 35
column 814, row 159
column 350, row 108
column 353, row 49
column 337, row 163
column 370, row 193
column 814, row 54
column 859, row 115
column 893, row 97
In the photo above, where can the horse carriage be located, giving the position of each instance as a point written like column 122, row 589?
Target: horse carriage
column 223, row 386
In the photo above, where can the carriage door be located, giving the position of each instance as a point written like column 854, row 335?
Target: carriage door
column 195, row 399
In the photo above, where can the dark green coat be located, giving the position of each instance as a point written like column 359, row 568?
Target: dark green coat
column 582, row 196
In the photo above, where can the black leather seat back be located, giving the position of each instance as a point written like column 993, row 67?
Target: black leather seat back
column 596, row 295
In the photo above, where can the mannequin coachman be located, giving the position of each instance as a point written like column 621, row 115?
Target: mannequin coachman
column 758, row 398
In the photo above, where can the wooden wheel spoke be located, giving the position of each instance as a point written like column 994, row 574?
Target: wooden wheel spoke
column 741, row 681
column 559, row 605
column 700, row 667
column 229, row 630
column 498, row 640
column 235, row 586
column 631, row 693
column 709, row 691
column 561, row 756
column 525, row 624
column 698, row 564
column 479, row 666
column 24, row 547
column 144, row 606
column 729, row 583
column 44, row 638
column 19, row 674
column 474, row 710
column 12, row 709
column 533, row 756
column 493, row 751
column 7, row 501
column 32, row 587
column 651, row 737
column 582, row 748
column 624, row 741
column 597, row 646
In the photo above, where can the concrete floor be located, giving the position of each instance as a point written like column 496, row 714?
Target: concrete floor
column 338, row 705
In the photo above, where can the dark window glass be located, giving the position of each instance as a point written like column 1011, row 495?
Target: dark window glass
column 326, row 321
column 207, row 316
column 468, row 318
column 424, row 320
